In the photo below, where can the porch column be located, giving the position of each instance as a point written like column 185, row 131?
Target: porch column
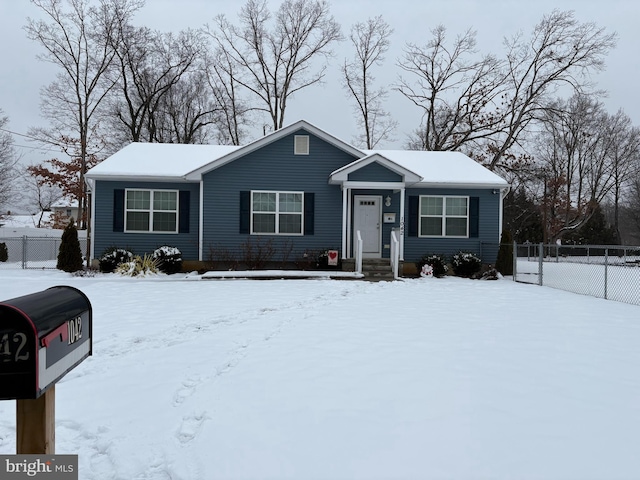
column 345, row 231
column 401, row 240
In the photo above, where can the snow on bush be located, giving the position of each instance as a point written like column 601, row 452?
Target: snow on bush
column 169, row 259
column 112, row 257
column 427, row 271
column 466, row 264
column 436, row 262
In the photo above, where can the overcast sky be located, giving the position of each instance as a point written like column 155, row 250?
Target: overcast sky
column 22, row 75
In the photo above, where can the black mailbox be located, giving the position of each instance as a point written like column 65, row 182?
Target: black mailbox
column 42, row 337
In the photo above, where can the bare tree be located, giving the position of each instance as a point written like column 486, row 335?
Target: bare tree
column 458, row 94
column 370, row 41
column 76, row 37
column 8, row 161
column 185, row 113
column 274, row 60
column 561, row 52
column 148, row 65
column 233, row 111
column 491, row 103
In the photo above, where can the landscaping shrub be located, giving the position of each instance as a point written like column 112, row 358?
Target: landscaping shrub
column 465, row 264
column 138, row 266
column 436, row 262
column 112, row 257
column 69, row 254
column 4, row 253
column 169, row 259
column 504, row 263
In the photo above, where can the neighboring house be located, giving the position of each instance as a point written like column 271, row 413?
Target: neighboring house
column 299, row 188
column 64, row 210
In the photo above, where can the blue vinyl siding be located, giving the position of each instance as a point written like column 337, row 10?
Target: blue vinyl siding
column 485, row 245
column 141, row 243
column 274, row 167
column 374, row 172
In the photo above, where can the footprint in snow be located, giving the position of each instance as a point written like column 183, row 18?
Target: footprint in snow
column 190, row 427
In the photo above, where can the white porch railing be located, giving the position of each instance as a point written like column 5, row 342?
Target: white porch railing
column 358, row 252
column 395, row 254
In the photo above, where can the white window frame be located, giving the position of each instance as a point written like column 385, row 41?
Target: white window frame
column 277, row 213
column 151, row 210
column 301, row 151
column 443, row 217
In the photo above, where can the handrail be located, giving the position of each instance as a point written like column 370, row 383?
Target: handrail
column 358, row 252
column 395, row 254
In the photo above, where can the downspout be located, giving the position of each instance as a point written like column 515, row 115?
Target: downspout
column 201, row 222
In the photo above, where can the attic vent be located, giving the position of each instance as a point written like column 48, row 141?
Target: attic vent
column 301, row 145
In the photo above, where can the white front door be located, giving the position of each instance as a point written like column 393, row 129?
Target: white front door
column 367, row 216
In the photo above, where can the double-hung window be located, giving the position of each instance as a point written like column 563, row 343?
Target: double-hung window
column 278, row 213
column 444, row 216
column 151, row 211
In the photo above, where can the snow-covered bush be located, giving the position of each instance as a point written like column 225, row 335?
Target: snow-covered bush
column 138, row 267
column 112, row 257
column 465, row 264
column 169, row 259
column 436, row 262
column 4, row 253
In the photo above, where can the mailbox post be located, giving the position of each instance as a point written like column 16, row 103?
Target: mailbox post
column 43, row 336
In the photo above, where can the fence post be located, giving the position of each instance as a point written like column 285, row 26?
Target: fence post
column 540, row 259
column 24, row 252
column 515, row 261
column 606, row 272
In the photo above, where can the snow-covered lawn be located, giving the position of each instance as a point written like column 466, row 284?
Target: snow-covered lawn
column 328, row 379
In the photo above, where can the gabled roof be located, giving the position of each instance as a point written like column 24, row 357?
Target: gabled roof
column 157, row 161
column 180, row 162
column 438, row 169
column 270, row 138
column 342, row 174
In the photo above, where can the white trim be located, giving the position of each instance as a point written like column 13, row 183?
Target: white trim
column 91, row 239
column 201, row 221
column 277, row 213
column 444, row 216
column 402, row 226
column 152, row 210
column 141, row 178
column 341, row 175
column 377, row 198
column 375, row 185
column 46, row 376
column 349, row 224
column 345, row 225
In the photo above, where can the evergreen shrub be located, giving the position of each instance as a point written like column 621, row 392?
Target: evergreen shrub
column 112, row 257
column 504, row 263
column 169, row 259
column 69, row 254
column 436, row 261
column 466, row 264
column 4, row 252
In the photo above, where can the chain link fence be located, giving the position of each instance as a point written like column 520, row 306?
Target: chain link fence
column 33, row 252
column 611, row 272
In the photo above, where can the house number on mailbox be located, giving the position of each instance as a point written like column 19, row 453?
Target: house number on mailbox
column 74, row 327
column 17, row 340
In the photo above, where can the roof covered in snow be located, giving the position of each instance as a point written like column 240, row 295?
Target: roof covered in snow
column 187, row 162
column 439, row 168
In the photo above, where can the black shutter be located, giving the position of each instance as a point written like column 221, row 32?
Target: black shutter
column 245, row 211
column 309, row 209
column 118, row 210
column 414, row 202
column 184, row 205
column 474, row 217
